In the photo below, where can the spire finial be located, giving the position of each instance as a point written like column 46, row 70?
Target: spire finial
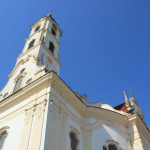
column 125, row 96
column 50, row 14
column 130, row 92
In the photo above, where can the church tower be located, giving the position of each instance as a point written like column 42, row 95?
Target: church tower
column 39, row 56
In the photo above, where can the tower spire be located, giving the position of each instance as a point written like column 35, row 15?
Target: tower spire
column 50, row 13
column 126, row 101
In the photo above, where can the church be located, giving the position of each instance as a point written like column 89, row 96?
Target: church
column 39, row 111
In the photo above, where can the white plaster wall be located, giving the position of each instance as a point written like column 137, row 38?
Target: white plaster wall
column 105, row 133
column 14, row 132
column 13, row 109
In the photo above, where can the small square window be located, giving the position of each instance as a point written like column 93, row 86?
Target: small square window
column 53, row 31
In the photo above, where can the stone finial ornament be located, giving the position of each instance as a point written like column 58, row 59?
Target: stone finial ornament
column 125, row 96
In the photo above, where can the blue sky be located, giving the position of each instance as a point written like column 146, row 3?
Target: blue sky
column 105, row 47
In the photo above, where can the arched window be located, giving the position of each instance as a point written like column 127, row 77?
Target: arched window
column 3, row 136
column 18, row 84
column 51, row 47
column 22, row 70
column 74, row 141
column 112, row 147
column 31, row 43
column 53, row 31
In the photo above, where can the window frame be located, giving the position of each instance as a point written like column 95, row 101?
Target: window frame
column 53, row 31
column 31, row 45
column 17, row 80
column 112, row 142
column 53, row 47
column 76, row 133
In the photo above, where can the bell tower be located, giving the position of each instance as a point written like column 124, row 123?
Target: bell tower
column 43, row 41
column 39, row 56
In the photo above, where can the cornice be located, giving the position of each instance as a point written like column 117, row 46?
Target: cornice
column 47, row 18
column 33, row 34
column 38, row 22
column 99, row 113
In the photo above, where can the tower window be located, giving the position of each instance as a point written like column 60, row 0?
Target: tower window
column 18, row 84
column 51, row 47
column 37, row 28
column 74, row 141
column 22, row 70
column 54, row 27
column 53, row 31
column 31, row 43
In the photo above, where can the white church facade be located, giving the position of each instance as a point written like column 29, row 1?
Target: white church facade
column 38, row 111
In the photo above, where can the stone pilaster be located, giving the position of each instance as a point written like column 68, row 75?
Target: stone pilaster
column 37, row 126
column 62, row 130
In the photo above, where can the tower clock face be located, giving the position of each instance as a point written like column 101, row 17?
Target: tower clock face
column 45, row 60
